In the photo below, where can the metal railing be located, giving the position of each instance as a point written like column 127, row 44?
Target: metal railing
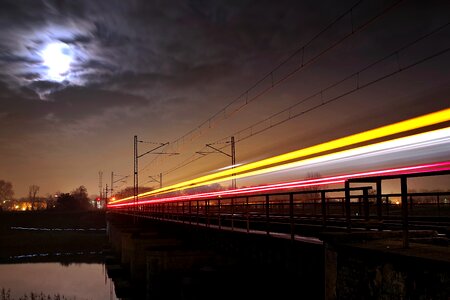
column 292, row 212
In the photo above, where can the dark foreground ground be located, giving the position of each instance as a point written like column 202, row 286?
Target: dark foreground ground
column 52, row 236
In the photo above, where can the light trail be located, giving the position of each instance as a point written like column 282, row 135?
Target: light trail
column 435, row 137
column 425, row 168
column 427, row 139
column 384, row 131
column 439, row 139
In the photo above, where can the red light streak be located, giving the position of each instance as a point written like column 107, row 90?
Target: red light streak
column 302, row 154
column 426, row 168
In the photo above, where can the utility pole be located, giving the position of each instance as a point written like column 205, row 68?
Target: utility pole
column 112, row 183
column 233, row 161
column 121, row 179
column 135, row 180
column 136, row 169
column 100, row 187
column 153, row 179
column 232, row 155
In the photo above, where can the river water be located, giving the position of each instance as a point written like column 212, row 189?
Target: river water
column 63, row 256
column 74, row 281
column 56, row 255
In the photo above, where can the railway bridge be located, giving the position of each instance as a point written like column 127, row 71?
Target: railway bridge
column 347, row 242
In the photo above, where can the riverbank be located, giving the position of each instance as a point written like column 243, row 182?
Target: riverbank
column 52, row 236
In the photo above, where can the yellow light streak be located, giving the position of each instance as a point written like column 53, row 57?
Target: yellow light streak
column 242, row 171
column 373, row 148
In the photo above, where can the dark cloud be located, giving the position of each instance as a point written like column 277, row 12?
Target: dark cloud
column 83, row 101
column 163, row 67
column 78, row 102
column 11, row 58
column 30, row 76
column 67, row 9
column 172, row 39
column 5, row 91
column 187, row 76
column 110, row 37
column 77, row 39
column 15, row 14
column 97, row 65
column 68, row 104
column 44, row 85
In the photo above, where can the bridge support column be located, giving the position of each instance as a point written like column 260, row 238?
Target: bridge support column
column 404, row 191
column 330, row 272
column 348, row 208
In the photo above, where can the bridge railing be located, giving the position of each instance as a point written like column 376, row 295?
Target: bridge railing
column 300, row 211
column 405, row 200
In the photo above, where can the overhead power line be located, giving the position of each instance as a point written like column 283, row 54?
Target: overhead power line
column 290, row 112
column 299, row 59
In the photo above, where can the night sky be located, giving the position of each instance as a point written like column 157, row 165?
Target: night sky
column 78, row 79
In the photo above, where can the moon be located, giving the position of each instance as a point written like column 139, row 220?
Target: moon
column 57, row 57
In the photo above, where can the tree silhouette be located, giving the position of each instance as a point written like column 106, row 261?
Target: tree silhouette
column 66, row 202
column 32, row 192
column 76, row 200
column 314, row 190
column 129, row 191
column 204, row 189
column 6, row 190
column 81, row 197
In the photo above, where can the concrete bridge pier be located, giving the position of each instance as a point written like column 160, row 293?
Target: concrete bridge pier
column 169, row 267
column 150, row 255
column 375, row 265
column 164, row 260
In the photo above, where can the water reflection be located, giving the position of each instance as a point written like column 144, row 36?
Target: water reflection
column 70, row 255
column 80, row 281
column 56, row 229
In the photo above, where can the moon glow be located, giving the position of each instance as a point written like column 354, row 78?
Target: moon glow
column 57, row 57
